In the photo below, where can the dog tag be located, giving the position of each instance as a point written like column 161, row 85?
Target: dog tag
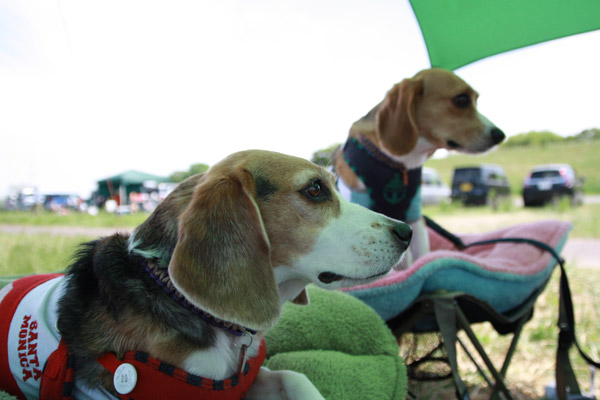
column 125, row 378
column 243, row 342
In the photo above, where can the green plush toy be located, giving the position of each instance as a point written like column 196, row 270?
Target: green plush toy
column 341, row 345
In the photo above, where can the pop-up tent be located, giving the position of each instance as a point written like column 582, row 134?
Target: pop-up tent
column 459, row 32
column 120, row 186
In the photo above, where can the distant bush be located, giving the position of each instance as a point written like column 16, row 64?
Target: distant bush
column 179, row 176
column 533, row 139
column 587, row 135
column 545, row 137
column 323, row 156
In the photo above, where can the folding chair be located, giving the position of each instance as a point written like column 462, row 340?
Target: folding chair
column 496, row 277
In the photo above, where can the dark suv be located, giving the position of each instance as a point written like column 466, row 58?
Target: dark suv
column 549, row 183
column 482, row 184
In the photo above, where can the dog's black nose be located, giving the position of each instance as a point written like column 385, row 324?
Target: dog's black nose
column 403, row 232
column 497, row 135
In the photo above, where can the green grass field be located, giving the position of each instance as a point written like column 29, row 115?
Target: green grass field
column 44, row 218
column 26, row 253
column 517, row 161
column 459, row 219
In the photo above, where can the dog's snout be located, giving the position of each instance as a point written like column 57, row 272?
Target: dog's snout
column 402, row 232
column 497, row 135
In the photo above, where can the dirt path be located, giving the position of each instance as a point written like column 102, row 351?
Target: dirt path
column 582, row 252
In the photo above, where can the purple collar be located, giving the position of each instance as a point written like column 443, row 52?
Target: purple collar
column 162, row 279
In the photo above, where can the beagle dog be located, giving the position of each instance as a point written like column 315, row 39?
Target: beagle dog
column 178, row 308
column 379, row 166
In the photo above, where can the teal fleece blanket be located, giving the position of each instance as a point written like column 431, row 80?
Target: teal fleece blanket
column 503, row 275
column 341, row 345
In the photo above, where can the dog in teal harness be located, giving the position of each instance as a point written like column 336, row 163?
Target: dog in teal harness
column 391, row 188
column 380, row 164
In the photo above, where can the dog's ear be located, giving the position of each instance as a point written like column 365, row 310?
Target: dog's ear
column 396, row 125
column 221, row 262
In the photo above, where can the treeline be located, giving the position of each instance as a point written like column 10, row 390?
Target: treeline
column 546, row 137
column 179, row 176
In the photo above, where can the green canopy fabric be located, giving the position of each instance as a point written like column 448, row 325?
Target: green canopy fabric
column 459, row 32
column 134, row 178
column 125, row 183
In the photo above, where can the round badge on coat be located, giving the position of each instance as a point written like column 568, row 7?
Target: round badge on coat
column 125, row 378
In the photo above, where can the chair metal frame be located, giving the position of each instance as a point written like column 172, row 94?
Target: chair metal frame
column 450, row 312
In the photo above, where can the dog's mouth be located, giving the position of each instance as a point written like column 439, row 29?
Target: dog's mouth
column 452, row 144
column 330, row 277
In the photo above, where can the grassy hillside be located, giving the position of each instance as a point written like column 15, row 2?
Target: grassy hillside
column 516, row 161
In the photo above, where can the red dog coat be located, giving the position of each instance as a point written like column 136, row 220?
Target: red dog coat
column 28, row 326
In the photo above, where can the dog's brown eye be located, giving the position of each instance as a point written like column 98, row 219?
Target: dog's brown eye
column 316, row 191
column 462, row 101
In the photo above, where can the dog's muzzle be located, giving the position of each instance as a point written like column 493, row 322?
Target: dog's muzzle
column 400, row 231
column 496, row 136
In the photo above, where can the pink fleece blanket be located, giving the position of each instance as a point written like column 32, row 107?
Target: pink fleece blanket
column 503, row 274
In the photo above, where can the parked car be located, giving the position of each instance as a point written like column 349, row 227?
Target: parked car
column 62, row 202
column 483, row 184
column 433, row 189
column 550, row 183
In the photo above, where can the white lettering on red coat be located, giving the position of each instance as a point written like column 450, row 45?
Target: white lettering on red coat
column 27, row 349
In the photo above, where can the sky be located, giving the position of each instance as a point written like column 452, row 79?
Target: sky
column 91, row 89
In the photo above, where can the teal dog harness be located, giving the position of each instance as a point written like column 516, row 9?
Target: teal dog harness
column 392, row 189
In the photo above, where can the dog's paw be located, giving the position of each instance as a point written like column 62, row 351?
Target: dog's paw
column 276, row 385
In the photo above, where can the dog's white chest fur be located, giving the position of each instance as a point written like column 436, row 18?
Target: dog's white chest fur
column 415, row 158
column 222, row 358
